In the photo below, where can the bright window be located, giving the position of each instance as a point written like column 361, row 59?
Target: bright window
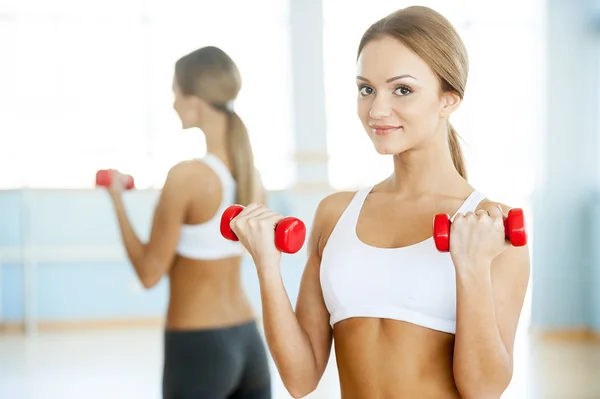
column 87, row 85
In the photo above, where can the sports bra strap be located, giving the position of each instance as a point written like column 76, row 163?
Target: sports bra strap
column 470, row 204
column 219, row 167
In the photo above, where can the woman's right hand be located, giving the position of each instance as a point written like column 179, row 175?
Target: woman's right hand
column 118, row 183
column 255, row 228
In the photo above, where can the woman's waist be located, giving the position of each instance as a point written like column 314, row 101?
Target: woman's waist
column 192, row 332
column 213, row 314
column 391, row 357
column 369, row 387
column 206, row 304
column 407, row 377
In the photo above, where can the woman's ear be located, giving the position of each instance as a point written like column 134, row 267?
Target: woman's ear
column 199, row 103
column 201, row 106
column 450, row 103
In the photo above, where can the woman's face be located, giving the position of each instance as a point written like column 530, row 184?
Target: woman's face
column 185, row 106
column 399, row 102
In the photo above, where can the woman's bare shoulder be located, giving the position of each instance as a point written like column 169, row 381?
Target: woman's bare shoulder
column 329, row 210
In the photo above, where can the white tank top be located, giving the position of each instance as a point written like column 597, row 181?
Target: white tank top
column 204, row 241
column 415, row 284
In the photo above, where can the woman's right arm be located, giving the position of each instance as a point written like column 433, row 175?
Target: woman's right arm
column 300, row 341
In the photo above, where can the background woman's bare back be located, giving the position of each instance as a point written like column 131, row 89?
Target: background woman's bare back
column 206, row 293
column 381, row 358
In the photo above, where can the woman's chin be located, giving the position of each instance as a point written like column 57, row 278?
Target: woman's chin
column 389, row 149
column 389, row 145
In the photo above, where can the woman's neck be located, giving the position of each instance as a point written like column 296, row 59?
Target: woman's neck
column 424, row 170
column 215, row 133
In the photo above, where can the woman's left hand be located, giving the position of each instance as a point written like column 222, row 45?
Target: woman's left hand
column 477, row 237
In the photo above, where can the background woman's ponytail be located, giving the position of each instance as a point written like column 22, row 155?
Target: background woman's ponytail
column 242, row 157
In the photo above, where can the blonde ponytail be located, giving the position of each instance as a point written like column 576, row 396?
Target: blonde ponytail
column 242, row 157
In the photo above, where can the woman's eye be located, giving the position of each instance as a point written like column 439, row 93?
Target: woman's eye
column 403, row 91
column 365, row 90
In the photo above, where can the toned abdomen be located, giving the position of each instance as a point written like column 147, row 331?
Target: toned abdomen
column 381, row 359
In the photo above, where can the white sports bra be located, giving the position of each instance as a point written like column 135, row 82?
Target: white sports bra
column 204, row 241
column 415, row 284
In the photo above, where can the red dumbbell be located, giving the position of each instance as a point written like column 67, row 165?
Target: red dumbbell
column 290, row 232
column 104, row 179
column 514, row 229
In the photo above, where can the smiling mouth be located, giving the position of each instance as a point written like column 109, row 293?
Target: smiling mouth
column 384, row 130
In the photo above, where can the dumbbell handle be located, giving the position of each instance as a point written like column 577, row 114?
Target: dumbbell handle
column 290, row 232
column 514, row 229
column 104, row 179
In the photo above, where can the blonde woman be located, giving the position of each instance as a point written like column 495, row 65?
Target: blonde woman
column 212, row 346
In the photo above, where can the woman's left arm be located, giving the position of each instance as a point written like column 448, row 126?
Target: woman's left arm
column 491, row 283
column 152, row 260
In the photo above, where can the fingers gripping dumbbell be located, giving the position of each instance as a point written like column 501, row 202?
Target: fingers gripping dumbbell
column 104, row 178
column 290, row 232
column 514, row 229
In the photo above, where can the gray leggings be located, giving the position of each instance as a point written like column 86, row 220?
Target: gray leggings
column 227, row 363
